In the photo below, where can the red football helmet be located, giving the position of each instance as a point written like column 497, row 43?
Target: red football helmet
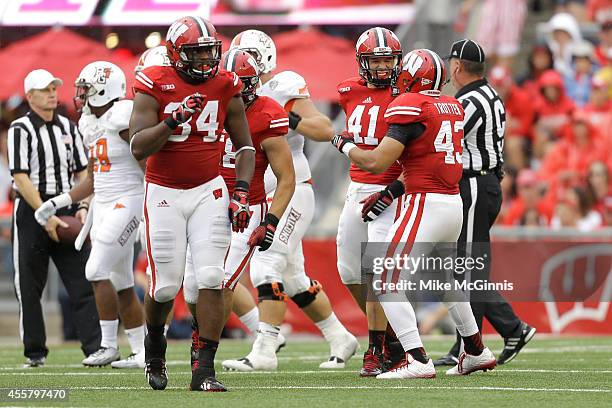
column 193, row 47
column 378, row 42
column 244, row 65
column 422, row 70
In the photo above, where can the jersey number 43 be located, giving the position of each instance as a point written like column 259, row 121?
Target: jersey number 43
column 444, row 141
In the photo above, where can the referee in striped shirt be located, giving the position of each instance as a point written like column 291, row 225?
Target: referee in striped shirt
column 46, row 154
column 483, row 126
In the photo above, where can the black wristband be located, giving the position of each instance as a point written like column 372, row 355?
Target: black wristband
column 271, row 219
column 396, row 188
column 82, row 206
column 241, row 185
column 171, row 122
column 294, row 120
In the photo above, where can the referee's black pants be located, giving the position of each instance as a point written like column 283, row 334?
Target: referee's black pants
column 32, row 248
column 482, row 200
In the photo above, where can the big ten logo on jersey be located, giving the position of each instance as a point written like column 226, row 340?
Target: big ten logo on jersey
column 98, row 150
column 356, row 123
column 204, row 121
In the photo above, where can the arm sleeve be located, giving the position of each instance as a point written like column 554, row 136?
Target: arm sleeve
column 18, row 146
column 79, row 155
column 405, row 133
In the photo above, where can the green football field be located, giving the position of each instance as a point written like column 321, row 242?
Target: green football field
column 550, row 372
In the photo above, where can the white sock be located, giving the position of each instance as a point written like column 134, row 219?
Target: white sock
column 266, row 339
column 136, row 338
column 251, row 319
column 109, row 333
column 330, row 327
column 403, row 321
column 461, row 313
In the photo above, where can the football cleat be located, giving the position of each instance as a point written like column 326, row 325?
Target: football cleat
column 201, row 380
column 156, row 373
column 446, row 360
column 410, row 368
column 252, row 362
column 372, row 363
column 134, row 360
column 469, row 363
column 104, row 356
column 33, row 362
column 342, row 347
column 512, row 345
column 281, row 342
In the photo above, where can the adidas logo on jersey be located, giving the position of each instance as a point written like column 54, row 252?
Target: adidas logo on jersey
column 367, row 100
column 163, row 203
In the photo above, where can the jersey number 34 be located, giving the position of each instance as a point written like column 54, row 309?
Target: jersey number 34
column 205, row 121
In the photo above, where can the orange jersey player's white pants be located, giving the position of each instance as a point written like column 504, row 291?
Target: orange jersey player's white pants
column 113, row 232
column 352, row 230
column 236, row 260
column 283, row 262
column 425, row 218
column 175, row 218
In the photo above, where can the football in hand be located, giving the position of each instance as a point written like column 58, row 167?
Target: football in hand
column 68, row 235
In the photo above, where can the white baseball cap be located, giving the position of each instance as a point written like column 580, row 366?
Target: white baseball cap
column 39, row 79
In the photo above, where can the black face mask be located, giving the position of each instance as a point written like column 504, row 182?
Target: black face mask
column 248, row 92
column 197, row 68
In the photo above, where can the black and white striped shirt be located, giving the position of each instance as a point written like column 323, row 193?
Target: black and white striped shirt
column 484, row 125
column 49, row 152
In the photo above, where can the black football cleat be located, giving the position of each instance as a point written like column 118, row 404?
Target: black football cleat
column 512, row 345
column 205, row 381
column 446, row 360
column 156, row 373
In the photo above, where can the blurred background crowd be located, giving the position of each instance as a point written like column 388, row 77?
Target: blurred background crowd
column 550, row 60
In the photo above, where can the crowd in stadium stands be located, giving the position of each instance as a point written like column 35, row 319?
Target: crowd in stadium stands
column 559, row 126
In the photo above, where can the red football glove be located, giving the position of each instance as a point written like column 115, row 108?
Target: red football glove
column 190, row 105
column 263, row 235
column 239, row 213
column 376, row 203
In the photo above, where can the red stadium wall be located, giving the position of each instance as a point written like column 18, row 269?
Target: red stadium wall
column 590, row 317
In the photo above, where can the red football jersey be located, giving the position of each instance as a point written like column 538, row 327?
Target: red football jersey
column 266, row 119
column 364, row 108
column 432, row 162
column 190, row 157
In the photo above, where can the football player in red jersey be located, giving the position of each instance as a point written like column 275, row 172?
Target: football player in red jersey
column 424, row 135
column 364, row 99
column 178, row 117
column 269, row 124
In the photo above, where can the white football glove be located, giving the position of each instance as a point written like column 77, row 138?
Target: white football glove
column 49, row 207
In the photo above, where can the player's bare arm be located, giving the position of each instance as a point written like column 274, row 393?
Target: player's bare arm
column 238, row 128
column 375, row 161
column 279, row 156
column 147, row 134
column 125, row 135
column 310, row 122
